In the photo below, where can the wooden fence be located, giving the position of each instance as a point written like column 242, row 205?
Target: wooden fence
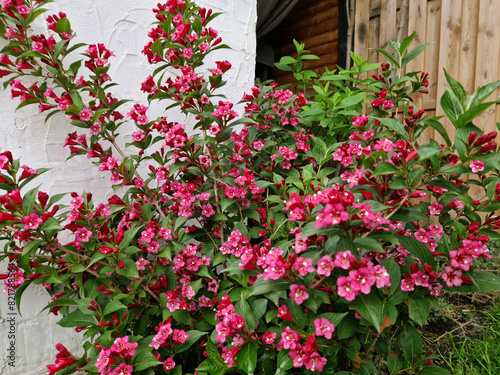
column 465, row 37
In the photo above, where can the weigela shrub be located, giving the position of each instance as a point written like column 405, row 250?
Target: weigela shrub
column 251, row 245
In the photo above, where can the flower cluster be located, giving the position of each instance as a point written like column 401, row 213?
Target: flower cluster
column 271, row 239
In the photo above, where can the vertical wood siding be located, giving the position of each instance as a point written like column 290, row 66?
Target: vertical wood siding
column 465, row 37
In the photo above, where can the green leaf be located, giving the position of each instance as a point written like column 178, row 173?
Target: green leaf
column 182, row 317
column 457, row 89
column 371, row 307
column 18, row 294
column 287, row 60
column 394, row 272
column 213, row 353
column 388, row 55
column 368, row 244
column 425, row 153
column 483, row 282
column 408, row 215
column 417, row 249
column 411, row 342
column 143, row 360
column 351, row 100
column 384, row 168
column 247, row 357
column 482, row 93
column 413, row 54
column 432, row 122
column 433, row 370
column 472, row 113
column 29, row 200
column 32, row 246
column 451, row 106
column 128, row 237
column 113, row 306
column 51, row 225
column 262, row 286
column 285, row 362
column 395, row 125
column 219, row 217
column 63, row 26
column 78, row 268
column 77, row 319
column 394, row 364
column 243, row 308
column 130, row 269
column 405, row 43
column 194, row 335
column 419, row 309
column 334, row 318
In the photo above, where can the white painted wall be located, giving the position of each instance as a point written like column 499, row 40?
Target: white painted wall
column 122, row 25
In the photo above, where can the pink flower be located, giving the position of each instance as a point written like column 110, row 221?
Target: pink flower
column 452, row 276
column 104, row 360
column 268, row 337
column 343, row 259
column 477, row 166
column 83, row 235
column 363, row 278
column 315, row 362
column 435, row 208
column 298, row 293
column 138, row 136
column 214, row 129
column 179, row 336
column 299, row 356
column 123, row 347
column 303, row 266
column 169, row 364
column 32, row 221
column 460, row 259
column 207, row 210
column 388, row 104
column 324, row 328
column 407, row 284
column 347, row 288
column 187, row 53
column 85, row 115
column 289, row 339
column 325, row 265
column 381, row 276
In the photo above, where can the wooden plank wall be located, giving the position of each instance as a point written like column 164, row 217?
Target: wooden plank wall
column 314, row 23
column 465, row 37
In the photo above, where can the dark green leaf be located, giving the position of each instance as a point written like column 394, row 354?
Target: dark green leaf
column 451, row 106
column 457, row 89
column 394, row 364
column 411, row 342
column 129, row 270
column 371, row 307
column 417, row 249
column 413, row 54
column 408, row 215
column 144, row 359
column 419, row 309
column 384, row 168
column 77, row 319
column 194, row 335
column 433, row 370
column 395, row 125
column 113, row 306
column 285, row 362
column 262, row 286
column 247, row 357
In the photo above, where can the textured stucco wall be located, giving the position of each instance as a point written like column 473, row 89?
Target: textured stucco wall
column 122, row 25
